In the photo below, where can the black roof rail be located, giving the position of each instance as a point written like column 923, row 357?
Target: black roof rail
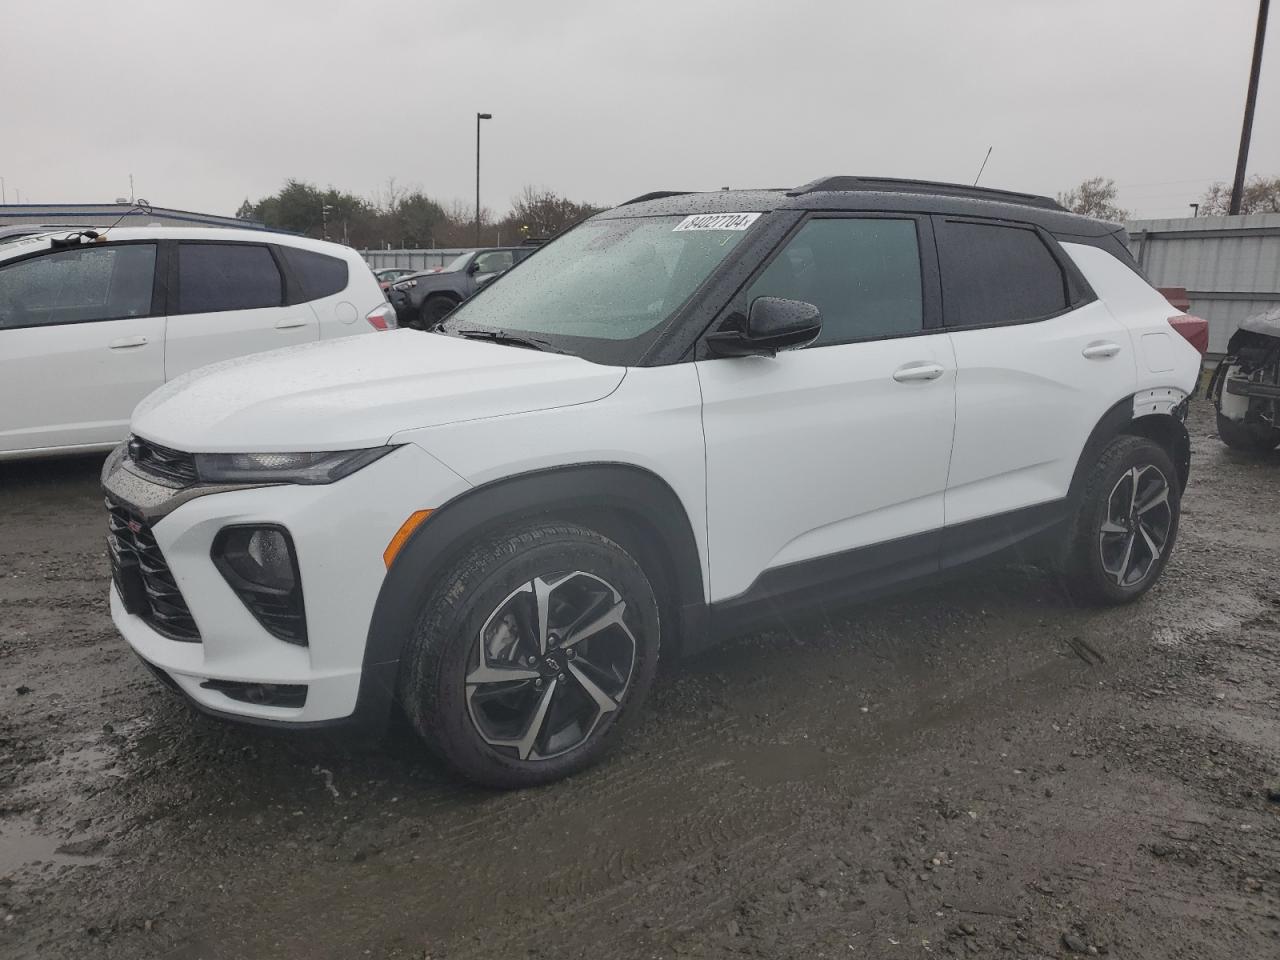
column 894, row 185
column 655, row 195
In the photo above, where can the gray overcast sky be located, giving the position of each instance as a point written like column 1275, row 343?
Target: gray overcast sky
column 209, row 102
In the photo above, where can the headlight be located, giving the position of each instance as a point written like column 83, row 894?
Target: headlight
column 323, row 467
column 404, row 284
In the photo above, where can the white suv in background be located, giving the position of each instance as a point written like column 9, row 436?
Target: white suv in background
column 91, row 322
column 686, row 415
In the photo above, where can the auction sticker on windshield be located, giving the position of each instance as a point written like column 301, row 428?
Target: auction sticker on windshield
column 717, row 221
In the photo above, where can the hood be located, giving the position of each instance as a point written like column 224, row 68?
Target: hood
column 1266, row 323
column 442, row 278
column 359, row 391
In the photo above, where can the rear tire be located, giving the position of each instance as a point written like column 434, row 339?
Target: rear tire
column 434, row 309
column 1247, row 437
column 510, row 675
column 1126, row 523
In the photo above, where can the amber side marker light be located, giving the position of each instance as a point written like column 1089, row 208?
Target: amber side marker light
column 402, row 535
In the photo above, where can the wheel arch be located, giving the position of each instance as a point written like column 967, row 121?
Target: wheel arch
column 632, row 506
column 453, row 295
column 1166, row 429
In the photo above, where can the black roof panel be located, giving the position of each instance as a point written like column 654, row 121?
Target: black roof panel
column 874, row 195
column 930, row 187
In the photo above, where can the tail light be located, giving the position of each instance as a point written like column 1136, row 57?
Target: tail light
column 382, row 317
column 1193, row 329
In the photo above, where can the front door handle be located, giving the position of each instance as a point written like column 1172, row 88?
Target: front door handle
column 289, row 323
column 918, row 370
column 124, row 343
column 1101, row 350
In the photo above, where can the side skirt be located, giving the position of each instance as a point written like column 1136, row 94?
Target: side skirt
column 1032, row 533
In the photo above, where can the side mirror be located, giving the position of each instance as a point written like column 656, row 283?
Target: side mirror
column 473, row 266
column 773, row 324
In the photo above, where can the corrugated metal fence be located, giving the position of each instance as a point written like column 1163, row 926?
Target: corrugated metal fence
column 411, row 259
column 1230, row 266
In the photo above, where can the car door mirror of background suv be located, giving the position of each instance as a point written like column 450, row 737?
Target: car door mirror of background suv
column 773, row 324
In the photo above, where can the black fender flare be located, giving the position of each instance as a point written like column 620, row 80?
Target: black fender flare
column 1167, row 429
column 634, row 506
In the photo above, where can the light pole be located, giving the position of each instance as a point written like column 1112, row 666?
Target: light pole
column 325, row 210
column 1251, row 98
column 479, row 117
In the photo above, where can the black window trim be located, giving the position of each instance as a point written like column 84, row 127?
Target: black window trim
column 294, row 294
column 930, row 279
column 159, row 288
column 1070, row 273
column 173, row 299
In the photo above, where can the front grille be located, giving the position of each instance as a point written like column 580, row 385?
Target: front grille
column 143, row 577
column 162, row 463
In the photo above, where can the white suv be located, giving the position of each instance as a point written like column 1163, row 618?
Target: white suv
column 686, row 415
column 91, row 322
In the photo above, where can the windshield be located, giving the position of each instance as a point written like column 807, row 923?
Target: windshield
column 15, row 237
column 605, row 280
column 456, row 264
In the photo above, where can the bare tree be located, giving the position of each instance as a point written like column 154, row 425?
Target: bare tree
column 389, row 197
column 1261, row 195
column 1095, row 197
column 540, row 212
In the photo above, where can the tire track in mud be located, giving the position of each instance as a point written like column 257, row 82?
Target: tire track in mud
column 753, row 836
column 698, row 909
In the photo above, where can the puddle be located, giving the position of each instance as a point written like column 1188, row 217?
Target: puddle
column 22, row 845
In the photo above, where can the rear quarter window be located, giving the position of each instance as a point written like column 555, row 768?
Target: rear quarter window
column 993, row 274
column 319, row 275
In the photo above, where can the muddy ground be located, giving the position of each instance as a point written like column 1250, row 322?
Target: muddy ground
column 979, row 768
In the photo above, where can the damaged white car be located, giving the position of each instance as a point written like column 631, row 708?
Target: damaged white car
column 1245, row 387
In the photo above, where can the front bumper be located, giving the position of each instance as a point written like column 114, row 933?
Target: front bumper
column 1253, row 389
column 405, row 306
column 339, row 532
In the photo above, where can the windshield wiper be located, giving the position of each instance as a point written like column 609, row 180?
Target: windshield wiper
column 510, row 339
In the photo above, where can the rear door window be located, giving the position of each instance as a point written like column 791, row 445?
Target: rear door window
column 318, row 274
column 100, row 282
column 993, row 274
column 227, row 276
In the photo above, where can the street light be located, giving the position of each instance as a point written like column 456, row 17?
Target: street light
column 479, row 117
column 325, row 210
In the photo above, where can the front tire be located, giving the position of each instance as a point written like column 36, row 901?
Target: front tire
column 1247, row 437
column 435, row 309
column 535, row 650
column 1125, row 524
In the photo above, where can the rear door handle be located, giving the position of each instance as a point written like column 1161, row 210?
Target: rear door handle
column 124, row 343
column 1101, row 350
column 918, row 370
column 288, row 323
